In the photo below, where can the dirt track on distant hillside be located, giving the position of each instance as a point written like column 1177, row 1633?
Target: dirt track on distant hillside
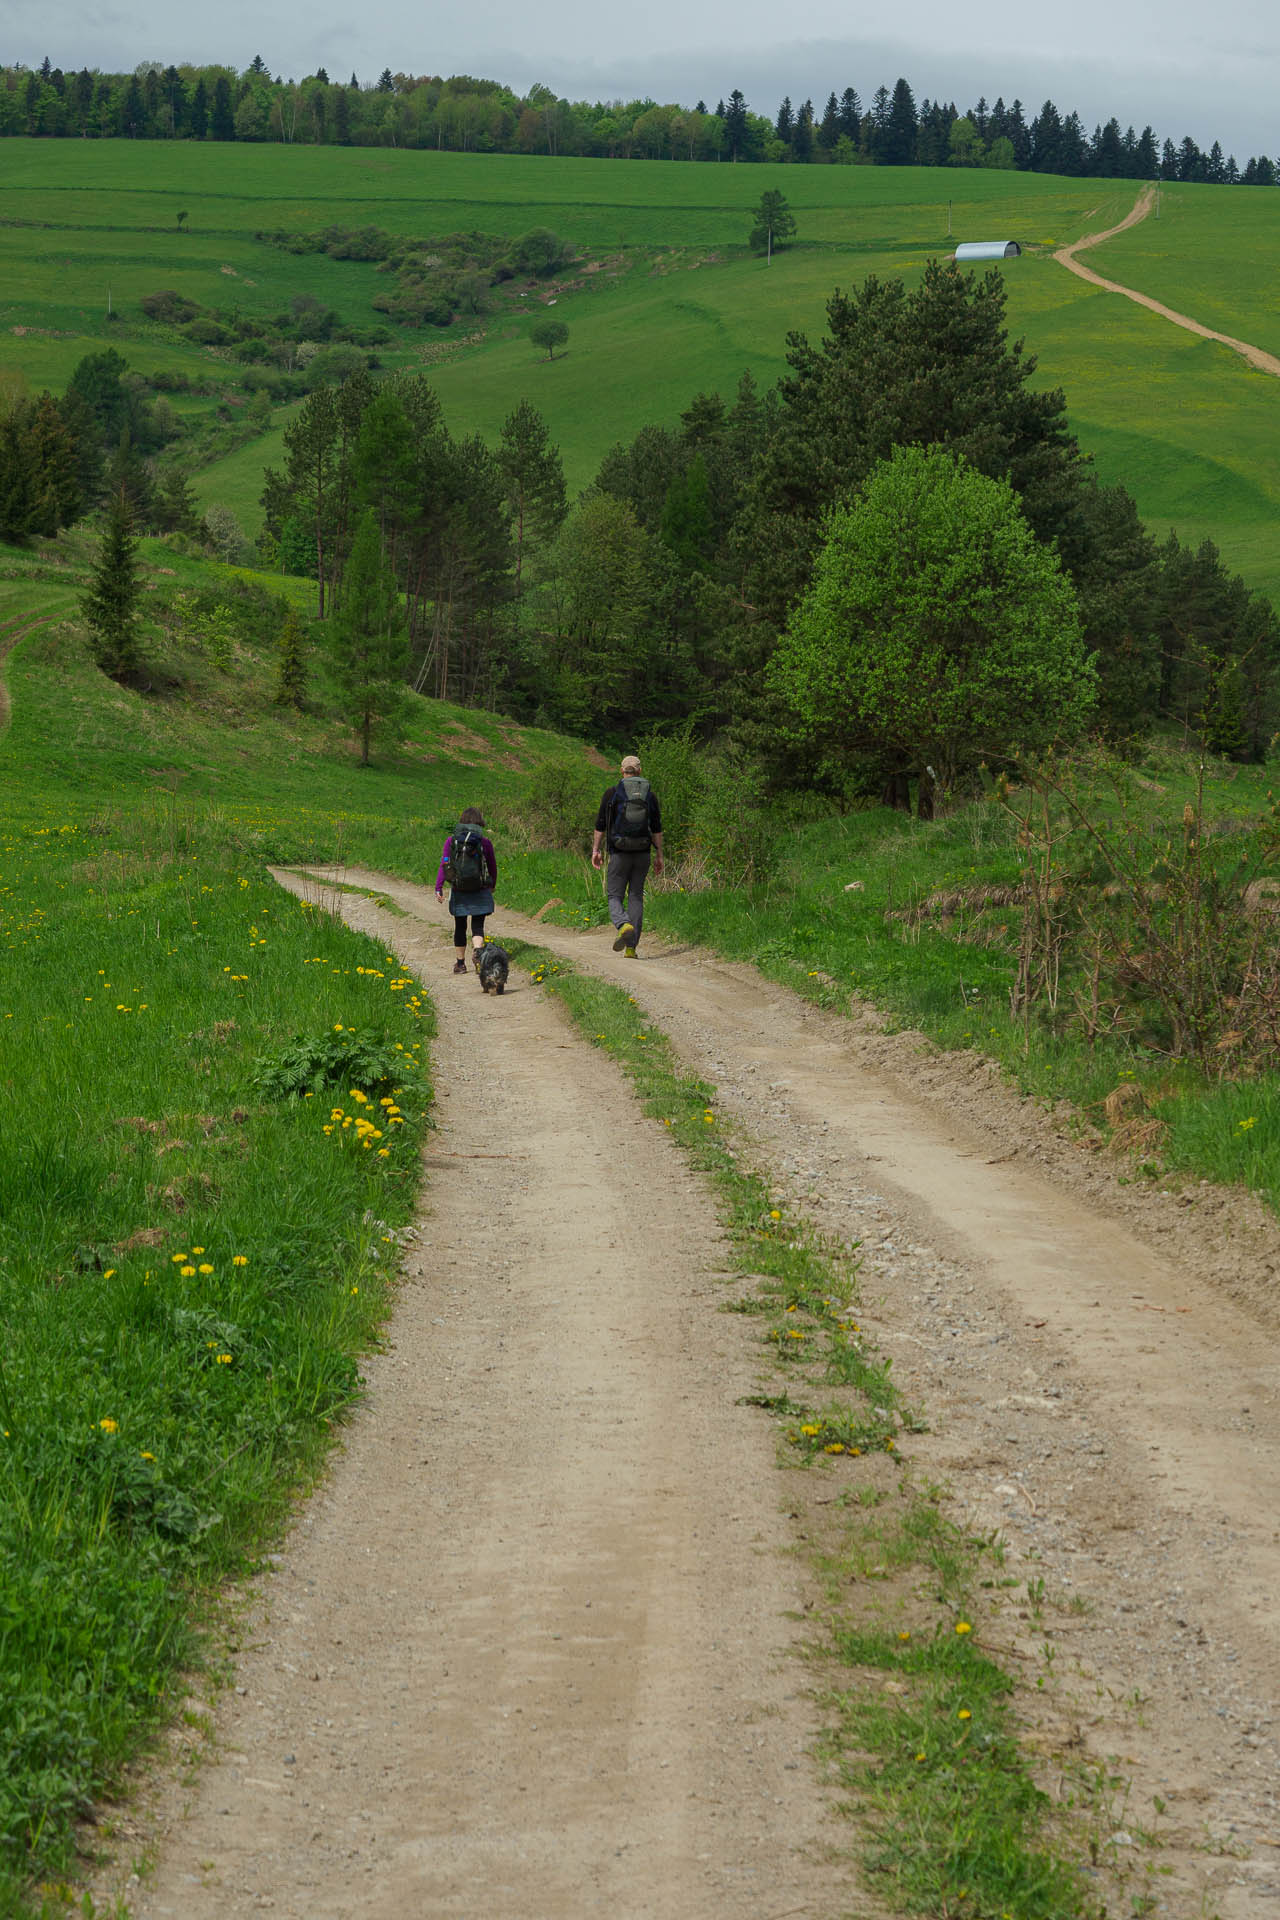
column 1066, row 257
column 525, row 1655
column 10, row 634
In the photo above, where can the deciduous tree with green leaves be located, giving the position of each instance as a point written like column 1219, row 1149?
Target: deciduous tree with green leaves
column 937, row 631
column 549, row 334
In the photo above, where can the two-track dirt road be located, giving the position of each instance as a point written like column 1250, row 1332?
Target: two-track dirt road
column 528, row 1653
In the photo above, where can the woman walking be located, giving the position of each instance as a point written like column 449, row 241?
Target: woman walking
column 470, row 865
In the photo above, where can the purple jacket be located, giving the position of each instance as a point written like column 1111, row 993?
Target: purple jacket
column 442, row 874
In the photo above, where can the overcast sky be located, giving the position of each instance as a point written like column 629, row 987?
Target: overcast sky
column 1212, row 72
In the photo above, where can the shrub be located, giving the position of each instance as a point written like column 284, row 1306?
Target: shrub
column 560, row 804
column 716, row 827
column 225, row 535
column 171, row 308
column 208, row 333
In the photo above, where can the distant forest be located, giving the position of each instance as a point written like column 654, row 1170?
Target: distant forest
column 466, row 115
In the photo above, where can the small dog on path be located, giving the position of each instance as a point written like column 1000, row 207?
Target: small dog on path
column 492, row 968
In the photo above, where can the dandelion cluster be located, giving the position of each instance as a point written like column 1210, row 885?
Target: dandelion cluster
column 361, row 1126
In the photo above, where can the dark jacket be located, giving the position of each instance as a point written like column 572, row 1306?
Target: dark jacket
column 614, row 797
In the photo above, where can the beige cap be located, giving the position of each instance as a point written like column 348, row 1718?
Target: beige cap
column 631, row 764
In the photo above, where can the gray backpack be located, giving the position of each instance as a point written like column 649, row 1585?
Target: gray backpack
column 631, row 815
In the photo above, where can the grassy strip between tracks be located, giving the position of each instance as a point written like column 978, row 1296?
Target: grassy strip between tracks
column 922, row 1736
column 216, row 1096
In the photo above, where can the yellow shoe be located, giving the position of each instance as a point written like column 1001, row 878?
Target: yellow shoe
column 626, row 935
column 629, row 953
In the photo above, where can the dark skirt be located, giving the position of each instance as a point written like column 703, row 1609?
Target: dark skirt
column 480, row 901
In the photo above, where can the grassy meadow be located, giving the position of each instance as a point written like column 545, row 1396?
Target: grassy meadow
column 673, row 303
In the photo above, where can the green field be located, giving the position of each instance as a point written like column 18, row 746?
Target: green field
column 675, row 303
column 1211, row 255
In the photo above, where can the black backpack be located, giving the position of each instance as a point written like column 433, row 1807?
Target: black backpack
column 468, row 868
column 631, row 815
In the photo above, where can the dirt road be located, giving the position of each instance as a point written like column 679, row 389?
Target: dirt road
column 526, row 1654
column 1066, row 257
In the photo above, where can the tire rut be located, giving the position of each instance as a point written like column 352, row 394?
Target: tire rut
column 1098, row 1367
column 529, row 1649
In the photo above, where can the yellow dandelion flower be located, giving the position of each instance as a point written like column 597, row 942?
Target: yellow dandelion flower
column 188, row 1273
column 239, row 1259
column 964, row 1714
column 962, row 1626
column 224, row 1359
column 109, row 1426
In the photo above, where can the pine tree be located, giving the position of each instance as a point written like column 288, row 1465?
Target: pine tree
column 802, row 138
column 735, row 124
column 368, row 640
column 384, row 467
column 851, row 116
column 291, row 676
column 175, row 504
column 686, row 516
column 111, row 605
column 774, row 224
column 129, row 474
column 530, row 464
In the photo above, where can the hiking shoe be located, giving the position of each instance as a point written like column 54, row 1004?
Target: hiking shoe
column 459, row 966
column 626, row 937
column 629, row 953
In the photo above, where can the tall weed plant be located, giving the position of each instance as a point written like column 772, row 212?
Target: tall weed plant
column 717, row 828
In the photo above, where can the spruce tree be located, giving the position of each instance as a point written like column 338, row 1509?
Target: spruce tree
column 111, row 605
column 291, row 676
column 530, row 465
column 368, row 640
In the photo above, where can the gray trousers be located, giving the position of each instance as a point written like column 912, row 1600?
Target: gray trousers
column 624, row 881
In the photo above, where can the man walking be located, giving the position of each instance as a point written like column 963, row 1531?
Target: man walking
column 630, row 821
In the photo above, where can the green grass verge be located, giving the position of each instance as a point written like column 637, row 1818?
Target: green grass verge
column 849, row 923
column 193, row 1254
column 952, row 1821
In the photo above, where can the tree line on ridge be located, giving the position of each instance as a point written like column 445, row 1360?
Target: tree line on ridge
column 470, row 115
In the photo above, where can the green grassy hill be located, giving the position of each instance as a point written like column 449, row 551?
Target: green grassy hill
column 674, row 303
